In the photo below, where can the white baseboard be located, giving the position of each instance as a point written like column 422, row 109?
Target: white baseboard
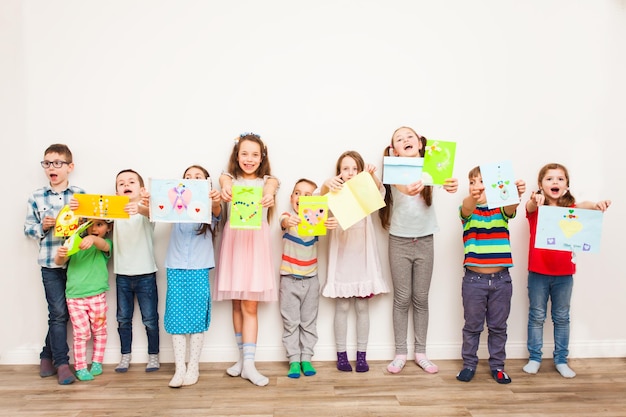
column 516, row 350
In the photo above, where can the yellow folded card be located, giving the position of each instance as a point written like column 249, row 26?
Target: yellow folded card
column 99, row 206
column 358, row 198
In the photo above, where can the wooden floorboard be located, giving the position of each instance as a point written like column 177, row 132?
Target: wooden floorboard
column 598, row 390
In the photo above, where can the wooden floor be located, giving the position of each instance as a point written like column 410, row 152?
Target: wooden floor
column 599, row 389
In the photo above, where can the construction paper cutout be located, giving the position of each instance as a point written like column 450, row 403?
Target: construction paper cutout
column 313, row 212
column 499, row 183
column 569, row 229
column 66, row 222
column 438, row 161
column 357, row 199
column 246, row 211
column 100, row 206
column 402, row 170
column 180, row 201
column 73, row 242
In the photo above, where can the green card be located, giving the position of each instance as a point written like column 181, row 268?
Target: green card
column 246, row 211
column 73, row 242
column 438, row 161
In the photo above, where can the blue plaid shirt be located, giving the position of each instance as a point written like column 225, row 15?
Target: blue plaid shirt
column 47, row 202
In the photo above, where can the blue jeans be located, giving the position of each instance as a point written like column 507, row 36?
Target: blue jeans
column 486, row 297
column 559, row 290
column 145, row 289
column 56, row 347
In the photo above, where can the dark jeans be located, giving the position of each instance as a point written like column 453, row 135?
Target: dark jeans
column 486, row 297
column 145, row 289
column 56, row 347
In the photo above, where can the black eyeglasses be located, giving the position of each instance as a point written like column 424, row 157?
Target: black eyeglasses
column 56, row 164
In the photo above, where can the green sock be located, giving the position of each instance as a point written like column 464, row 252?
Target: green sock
column 307, row 369
column 84, row 375
column 294, row 370
column 96, row 369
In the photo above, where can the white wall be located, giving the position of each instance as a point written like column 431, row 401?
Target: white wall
column 159, row 85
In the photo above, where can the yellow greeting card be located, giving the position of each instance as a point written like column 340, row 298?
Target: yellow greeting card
column 313, row 212
column 66, row 223
column 100, row 206
column 358, row 198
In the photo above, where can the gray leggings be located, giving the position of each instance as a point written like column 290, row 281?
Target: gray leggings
column 411, row 262
column 342, row 307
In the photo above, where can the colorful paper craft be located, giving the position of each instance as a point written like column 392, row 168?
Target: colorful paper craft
column 100, row 206
column 499, row 183
column 180, row 201
column 357, row 199
column 73, row 242
column 313, row 212
column 66, row 223
column 569, row 229
column 246, row 211
column 438, row 161
column 402, row 170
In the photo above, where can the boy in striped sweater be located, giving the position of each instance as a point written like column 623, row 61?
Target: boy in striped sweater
column 299, row 285
column 487, row 287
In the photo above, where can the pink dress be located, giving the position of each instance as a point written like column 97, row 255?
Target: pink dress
column 354, row 268
column 245, row 270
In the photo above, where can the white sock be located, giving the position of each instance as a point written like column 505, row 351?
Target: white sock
column 565, row 371
column 235, row 370
column 249, row 370
column 532, row 367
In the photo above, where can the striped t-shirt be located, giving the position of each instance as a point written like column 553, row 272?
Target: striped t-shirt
column 486, row 237
column 299, row 253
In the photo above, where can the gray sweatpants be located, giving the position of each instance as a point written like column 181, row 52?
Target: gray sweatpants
column 411, row 262
column 299, row 305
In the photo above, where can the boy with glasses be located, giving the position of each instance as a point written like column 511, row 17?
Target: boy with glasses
column 43, row 207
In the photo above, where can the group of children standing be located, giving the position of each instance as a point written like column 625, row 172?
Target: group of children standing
column 78, row 284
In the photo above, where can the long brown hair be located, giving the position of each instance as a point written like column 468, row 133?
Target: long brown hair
column 567, row 199
column 427, row 193
column 360, row 163
column 264, row 167
column 204, row 227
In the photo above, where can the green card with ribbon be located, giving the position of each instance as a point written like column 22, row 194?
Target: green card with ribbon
column 246, row 211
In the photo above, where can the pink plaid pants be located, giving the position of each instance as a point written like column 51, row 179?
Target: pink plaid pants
column 89, row 318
